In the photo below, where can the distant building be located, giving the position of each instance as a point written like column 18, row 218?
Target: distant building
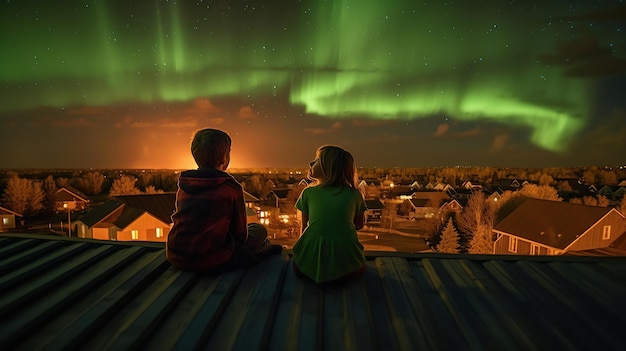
column 543, row 227
column 9, row 219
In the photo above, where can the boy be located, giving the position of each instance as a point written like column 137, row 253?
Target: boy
column 210, row 232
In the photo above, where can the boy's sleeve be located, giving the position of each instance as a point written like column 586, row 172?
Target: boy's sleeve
column 239, row 221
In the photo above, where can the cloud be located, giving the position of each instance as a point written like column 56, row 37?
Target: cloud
column 87, row 110
column 334, row 128
column 371, row 122
column 246, row 112
column 585, row 57
column 444, row 129
column 441, row 129
column 202, row 106
column 499, row 142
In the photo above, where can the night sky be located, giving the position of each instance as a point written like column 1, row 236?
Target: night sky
column 123, row 84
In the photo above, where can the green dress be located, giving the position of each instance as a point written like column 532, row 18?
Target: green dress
column 329, row 247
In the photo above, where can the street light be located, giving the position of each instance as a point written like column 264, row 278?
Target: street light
column 69, row 206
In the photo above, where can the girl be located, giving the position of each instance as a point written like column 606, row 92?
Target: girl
column 332, row 211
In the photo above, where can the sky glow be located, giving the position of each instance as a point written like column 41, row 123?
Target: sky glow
column 480, row 83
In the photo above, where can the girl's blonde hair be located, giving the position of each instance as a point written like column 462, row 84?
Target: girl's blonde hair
column 337, row 166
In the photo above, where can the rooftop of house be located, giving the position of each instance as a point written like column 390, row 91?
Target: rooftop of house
column 67, row 293
column 554, row 223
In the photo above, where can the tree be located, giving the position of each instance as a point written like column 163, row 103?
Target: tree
column 546, row 179
column 449, row 239
column 622, row 206
column 482, row 241
column 608, row 177
column 510, row 200
column 564, row 186
column 23, row 196
column 49, row 188
column 576, row 200
column 91, row 183
column 125, row 185
column 435, row 226
column 600, row 200
column 389, row 214
column 477, row 217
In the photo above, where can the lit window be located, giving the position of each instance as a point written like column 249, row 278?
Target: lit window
column 513, row 244
column 159, row 232
column 606, row 232
column 5, row 220
column 534, row 249
column 134, row 234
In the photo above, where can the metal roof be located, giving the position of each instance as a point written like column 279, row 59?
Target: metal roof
column 67, row 293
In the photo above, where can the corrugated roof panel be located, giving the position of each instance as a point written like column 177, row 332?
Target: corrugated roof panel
column 60, row 293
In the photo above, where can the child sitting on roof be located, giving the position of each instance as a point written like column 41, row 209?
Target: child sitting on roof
column 332, row 211
column 210, row 232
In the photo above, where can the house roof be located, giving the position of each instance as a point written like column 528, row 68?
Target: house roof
column 9, row 212
column 553, row 223
column 68, row 192
column 68, row 293
column 160, row 205
column 128, row 216
column 421, row 202
column 99, row 213
column 374, row 204
column 279, row 193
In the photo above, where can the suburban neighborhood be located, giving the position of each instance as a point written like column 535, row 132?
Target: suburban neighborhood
column 545, row 215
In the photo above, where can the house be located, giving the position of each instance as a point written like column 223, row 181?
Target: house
column 69, row 198
column 469, row 185
column 543, row 227
column 374, row 211
column 116, row 220
column 82, row 294
column 420, row 208
column 613, row 193
column 9, row 219
column 452, row 205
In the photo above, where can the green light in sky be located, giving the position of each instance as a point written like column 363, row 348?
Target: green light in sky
column 380, row 59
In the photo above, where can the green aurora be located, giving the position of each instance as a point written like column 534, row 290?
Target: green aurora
column 383, row 60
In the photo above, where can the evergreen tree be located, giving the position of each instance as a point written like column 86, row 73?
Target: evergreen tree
column 449, row 239
column 482, row 241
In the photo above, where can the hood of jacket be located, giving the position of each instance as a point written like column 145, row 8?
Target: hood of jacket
column 198, row 180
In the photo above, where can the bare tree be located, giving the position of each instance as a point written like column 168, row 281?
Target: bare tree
column 91, row 183
column 49, row 188
column 449, row 239
column 23, row 196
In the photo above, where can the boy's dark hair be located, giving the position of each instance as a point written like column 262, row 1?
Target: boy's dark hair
column 209, row 146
